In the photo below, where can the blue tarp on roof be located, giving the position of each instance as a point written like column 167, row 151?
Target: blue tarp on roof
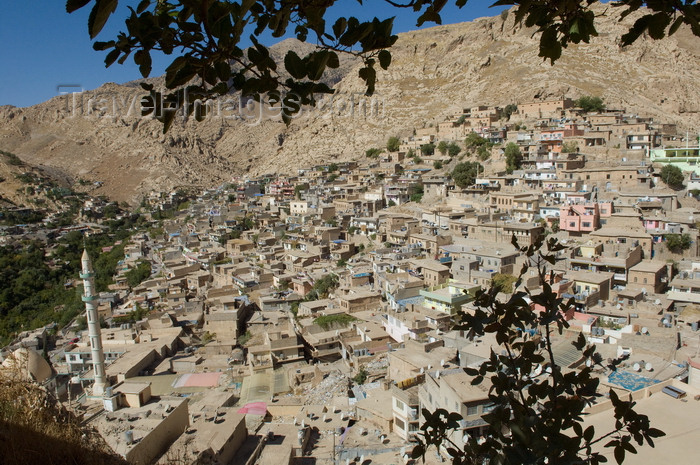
column 338, row 241
column 360, row 275
column 631, row 381
column 411, row 300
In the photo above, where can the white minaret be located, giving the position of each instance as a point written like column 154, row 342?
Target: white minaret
column 93, row 324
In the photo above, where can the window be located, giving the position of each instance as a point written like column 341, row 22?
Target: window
column 472, row 410
column 399, row 405
column 572, row 224
column 586, row 224
column 645, row 280
column 607, row 176
column 399, row 423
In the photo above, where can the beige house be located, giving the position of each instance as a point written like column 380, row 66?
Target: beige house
column 452, row 390
column 360, row 301
column 651, row 276
column 433, row 272
column 501, row 231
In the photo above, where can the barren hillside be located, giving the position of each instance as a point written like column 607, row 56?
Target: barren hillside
column 434, row 73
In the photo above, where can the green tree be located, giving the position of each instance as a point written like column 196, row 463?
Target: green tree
column 672, row 176
column 503, row 282
column 392, row 145
column 427, row 149
column 555, row 225
column 513, row 157
column 465, row 173
column 437, row 164
column 210, row 61
column 442, row 147
column 474, row 140
column 453, row 150
column 336, row 319
column 372, row 153
column 361, row 376
column 333, row 167
column 569, row 147
column 484, row 152
column 136, row 275
column 589, row 103
column 678, row 242
column 322, row 287
column 416, row 192
column 537, row 406
column 509, row 110
column 299, row 188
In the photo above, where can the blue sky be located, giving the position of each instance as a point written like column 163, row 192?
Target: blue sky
column 44, row 47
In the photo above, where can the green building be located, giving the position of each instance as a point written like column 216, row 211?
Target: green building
column 685, row 158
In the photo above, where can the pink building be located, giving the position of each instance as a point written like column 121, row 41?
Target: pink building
column 583, row 218
column 553, row 139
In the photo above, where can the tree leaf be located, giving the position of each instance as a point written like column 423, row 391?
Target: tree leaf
column 384, row 59
column 111, row 57
column 99, row 15
column 294, row 65
column 143, row 59
column 339, row 27
column 619, row 454
column 72, row 5
column 142, row 6
column 369, row 75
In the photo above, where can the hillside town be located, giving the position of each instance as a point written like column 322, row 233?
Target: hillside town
column 308, row 318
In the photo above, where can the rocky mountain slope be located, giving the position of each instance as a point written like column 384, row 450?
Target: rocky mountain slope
column 434, row 73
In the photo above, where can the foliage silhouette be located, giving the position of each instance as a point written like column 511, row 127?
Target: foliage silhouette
column 538, row 407
column 205, row 39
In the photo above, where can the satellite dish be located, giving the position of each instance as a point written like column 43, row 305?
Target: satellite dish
column 589, row 363
column 442, row 362
column 422, row 371
column 538, row 370
column 437, row 374
column 636, row 367
column 645, row 330
column 657, row 301
column 648, row 367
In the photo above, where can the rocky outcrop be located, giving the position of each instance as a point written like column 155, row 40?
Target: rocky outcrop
column 434, row 73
